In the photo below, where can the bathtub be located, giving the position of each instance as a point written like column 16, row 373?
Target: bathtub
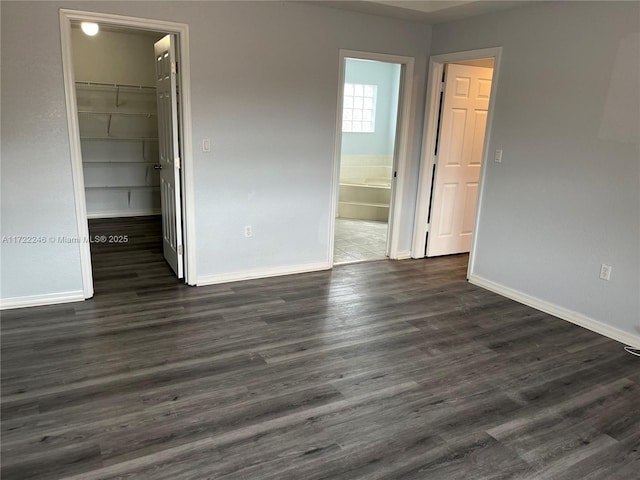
column 366, row 199
column 365, row 187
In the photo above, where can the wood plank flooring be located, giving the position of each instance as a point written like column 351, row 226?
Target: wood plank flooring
column 381, row 370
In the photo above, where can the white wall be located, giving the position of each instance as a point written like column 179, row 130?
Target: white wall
column 264, row 89
column 114, row 56
column 566, row 197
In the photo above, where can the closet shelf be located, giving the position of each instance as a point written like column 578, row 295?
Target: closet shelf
column 126, row 162
column 122, row 178
column 114, row 85
column 122, row 186
column 125, row 114
column 128, row 139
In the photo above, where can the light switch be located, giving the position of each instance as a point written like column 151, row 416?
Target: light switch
column 206, row 145
column 498, row 157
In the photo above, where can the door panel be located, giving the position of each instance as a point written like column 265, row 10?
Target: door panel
column 463, row 124
column 462, row 86
column 478, row 137
column 169, row 163
column 469, row 212
column 456, row 130
column 447, row 213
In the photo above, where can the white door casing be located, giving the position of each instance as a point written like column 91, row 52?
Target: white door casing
column 402, row 153
column 464, row 118
column 181, row 32
column 169, row 152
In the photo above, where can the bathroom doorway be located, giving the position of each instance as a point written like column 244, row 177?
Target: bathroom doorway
column 371, row 97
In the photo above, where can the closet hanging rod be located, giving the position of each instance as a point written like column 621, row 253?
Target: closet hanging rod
column 128, row 139
column 114, row 85
column 126, row 114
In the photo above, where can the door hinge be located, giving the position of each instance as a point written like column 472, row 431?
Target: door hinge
column 176, row 163
column 174, row 67
column 395, row 174
column 179, row 249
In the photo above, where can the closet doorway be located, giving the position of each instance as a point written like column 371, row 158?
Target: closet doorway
column 460, row 99
column 462, row 120
column 122, row 86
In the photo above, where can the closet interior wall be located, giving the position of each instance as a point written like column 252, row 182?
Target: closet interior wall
column 116, row 96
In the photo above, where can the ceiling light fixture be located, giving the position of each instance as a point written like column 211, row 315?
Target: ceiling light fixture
column 89, row 28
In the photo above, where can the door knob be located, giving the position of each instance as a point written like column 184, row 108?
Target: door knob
column 157, row 166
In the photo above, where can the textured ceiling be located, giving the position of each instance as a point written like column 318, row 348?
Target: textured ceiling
column 429, row 12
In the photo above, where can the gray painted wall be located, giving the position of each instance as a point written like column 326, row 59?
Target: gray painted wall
column 566, row 197
column 264, row 89
column 386, row 77
column 122, row 56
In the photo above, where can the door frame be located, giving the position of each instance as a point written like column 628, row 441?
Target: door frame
column 427, row 160
column 181, row 30
column 402, row 151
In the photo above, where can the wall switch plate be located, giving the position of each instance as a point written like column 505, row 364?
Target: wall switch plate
column 605, row 271
column 247, row 231
column 206, row 145
column 498, row 156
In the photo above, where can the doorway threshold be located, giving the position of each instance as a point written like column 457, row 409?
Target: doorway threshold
column 364, row 260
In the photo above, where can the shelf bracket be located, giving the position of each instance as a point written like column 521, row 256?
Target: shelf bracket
column 109, row 126
column 129, row 199
column 117, row 96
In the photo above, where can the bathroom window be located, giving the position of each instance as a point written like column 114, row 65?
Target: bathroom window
column 359, row 108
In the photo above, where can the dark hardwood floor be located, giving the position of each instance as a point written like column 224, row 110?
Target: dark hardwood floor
column 382, row 370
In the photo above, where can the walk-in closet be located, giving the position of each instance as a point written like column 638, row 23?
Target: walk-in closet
column 115, row 83
column 116, row 97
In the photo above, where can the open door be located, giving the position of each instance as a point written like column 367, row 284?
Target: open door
column 463, row 124
column 169, row 149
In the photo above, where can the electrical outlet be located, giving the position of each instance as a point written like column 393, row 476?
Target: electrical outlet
column 605, row 271
column 247, row 231
column 498, row 156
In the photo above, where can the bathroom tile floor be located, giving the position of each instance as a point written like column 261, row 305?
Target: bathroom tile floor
column 359, row 240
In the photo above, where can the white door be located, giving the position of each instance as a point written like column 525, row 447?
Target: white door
column 166, row 89
column 462, row 127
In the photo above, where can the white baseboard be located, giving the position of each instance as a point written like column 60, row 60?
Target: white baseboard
column 589, row 323
column 404, row 255
column 125, row 213
column 263, row 273
column 38, row 300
